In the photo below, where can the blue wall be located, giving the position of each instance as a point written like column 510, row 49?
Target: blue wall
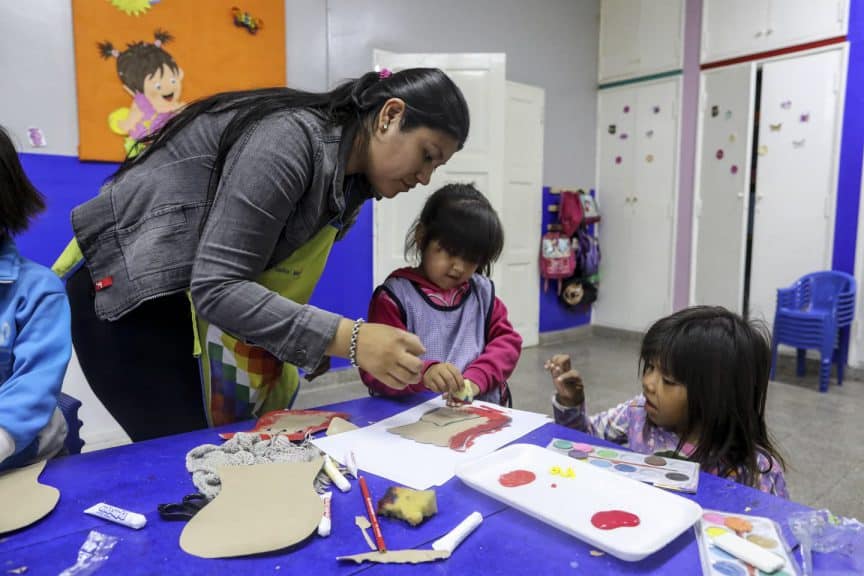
column 553, row 315
column 851, row 147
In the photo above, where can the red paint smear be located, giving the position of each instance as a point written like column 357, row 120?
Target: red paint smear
column 612, row 519
column 517, row 478
column 495, row 420
column 268, row 419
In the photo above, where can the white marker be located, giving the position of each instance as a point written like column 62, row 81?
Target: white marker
column 117, row 515
column 334, row 474
column 748, row 552
column 455, row 537
column 325, row 523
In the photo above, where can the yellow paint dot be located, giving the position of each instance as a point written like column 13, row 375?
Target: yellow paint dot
column 715, row 531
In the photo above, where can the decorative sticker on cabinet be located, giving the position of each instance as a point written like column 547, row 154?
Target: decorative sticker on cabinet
column 715, row 111
column 799, row 143
column 804, row 118
column 776, row 127
column 36, row 137
column 786, row 104
column 649, row 158
column 732, row 137
column 612, row 129
column 626, row 109
column 655, row 109
column 762, row 150
column 728, row 115
column 649, row 133
column 624, row 136
column 719, row 154
column 618, row 160
column 734, row 169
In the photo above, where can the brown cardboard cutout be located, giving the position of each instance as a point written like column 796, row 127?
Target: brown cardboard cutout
column 438, row 426
column 23, row 500
column 261, row 508
column 295, row 424
column 398, row 556
column 339, row 425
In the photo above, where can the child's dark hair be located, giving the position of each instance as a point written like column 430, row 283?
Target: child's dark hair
column 724, row 362
column 461, row 219
column 140, row 60
column 19, row 199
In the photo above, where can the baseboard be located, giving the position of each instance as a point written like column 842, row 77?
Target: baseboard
column 558, row 336
column 619, row 333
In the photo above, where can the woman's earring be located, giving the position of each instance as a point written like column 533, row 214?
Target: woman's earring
column 386, row 125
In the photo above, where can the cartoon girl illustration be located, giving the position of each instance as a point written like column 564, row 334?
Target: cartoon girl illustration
column 154, row 80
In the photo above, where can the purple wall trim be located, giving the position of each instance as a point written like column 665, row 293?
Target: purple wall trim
column 687, row 161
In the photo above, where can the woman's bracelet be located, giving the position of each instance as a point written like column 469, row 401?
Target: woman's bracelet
column 352, row 350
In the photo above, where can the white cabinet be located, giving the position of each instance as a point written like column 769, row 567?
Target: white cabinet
column 732, row 28
column 640, row 38
column 789, row 215
column 637, row 190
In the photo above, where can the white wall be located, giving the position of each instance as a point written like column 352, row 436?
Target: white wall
column 549, row 43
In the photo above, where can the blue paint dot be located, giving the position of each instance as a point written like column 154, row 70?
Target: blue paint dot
column 729, row 569
column 721, row 554
column 625, row 468
column 601, row 463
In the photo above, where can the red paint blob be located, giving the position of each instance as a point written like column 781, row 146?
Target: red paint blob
column 517, row 478
column 612, row 519
column 494, row 420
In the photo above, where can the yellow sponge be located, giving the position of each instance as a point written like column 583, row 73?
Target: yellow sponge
column 413, row 506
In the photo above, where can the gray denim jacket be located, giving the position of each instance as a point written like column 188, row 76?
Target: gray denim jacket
column 282, row 183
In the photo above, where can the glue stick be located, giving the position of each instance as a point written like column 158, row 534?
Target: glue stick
column 455, row 537
column 335, row 475
column 325, row 523
column 117, row 515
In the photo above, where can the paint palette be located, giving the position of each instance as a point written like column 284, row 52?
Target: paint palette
column 761, row 531
column 663, row 472
column 629, row 520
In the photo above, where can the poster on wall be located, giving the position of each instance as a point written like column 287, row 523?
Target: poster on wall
column 139, row 61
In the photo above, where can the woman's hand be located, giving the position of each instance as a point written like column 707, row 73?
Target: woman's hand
column 568, row 382
column 389, row 354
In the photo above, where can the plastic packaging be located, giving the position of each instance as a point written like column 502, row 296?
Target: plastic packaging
column 93, row 553
column 822, row 531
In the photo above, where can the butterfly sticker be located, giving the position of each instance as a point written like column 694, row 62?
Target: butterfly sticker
column 786, row 104
column 799, row 143
column 776, row 127
column 804, row 117
column 715, row 111
column 649, row 134
column 728, row 115
column 626, row 109
column 655, row 109
column 624, row 136
column 612, row 129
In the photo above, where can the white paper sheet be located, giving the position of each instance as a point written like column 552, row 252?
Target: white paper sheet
column 415, row 465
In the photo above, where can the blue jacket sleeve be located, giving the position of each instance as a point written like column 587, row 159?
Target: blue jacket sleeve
column 41, row 352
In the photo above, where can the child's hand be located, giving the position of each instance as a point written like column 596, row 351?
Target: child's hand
column 444, row 378
column 568, row 382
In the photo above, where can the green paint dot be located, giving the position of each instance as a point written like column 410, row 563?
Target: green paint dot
column 606, row 454
column 563, row 444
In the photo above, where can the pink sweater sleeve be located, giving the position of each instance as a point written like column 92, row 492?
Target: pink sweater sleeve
column 383, row 310
column 498, row 359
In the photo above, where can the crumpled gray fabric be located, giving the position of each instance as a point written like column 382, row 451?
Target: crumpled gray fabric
column 245, row 449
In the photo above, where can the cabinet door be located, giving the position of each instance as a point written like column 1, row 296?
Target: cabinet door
column 721, row 197
column 793, row 22
column 619, row 39
column 733, row 28
column 796, row 176
column 615, row 191
column 661, row 36
column 652, row 248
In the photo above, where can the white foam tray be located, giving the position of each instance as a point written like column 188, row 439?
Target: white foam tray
column 570, row 505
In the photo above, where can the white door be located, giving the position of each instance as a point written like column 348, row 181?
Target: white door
column 797, row 176
column 619, row 39
column 521, row 209
column 733, row 27
column 652, row 238
column 481, row 77
column 616, row 161
column 661, row 36
column 721, row 197
column 856, row 338
column 793, row 22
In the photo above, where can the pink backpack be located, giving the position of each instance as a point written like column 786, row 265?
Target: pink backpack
column 557, row 258
column 570, row 211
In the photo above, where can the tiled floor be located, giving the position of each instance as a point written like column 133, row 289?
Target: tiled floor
column 821, row 435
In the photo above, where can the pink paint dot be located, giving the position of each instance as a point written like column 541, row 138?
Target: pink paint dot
column 713, row 517
column 583, row 447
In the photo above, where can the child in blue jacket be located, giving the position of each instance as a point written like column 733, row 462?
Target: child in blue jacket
column 35, row 338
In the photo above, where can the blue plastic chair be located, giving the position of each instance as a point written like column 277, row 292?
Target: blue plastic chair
column 816, row 312
column 69, row 407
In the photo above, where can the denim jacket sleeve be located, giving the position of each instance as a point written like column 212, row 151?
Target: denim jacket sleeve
column 265, row 177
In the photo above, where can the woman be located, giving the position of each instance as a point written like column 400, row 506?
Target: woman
column 237, row 200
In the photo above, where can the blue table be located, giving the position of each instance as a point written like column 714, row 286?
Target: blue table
column 140, row 476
